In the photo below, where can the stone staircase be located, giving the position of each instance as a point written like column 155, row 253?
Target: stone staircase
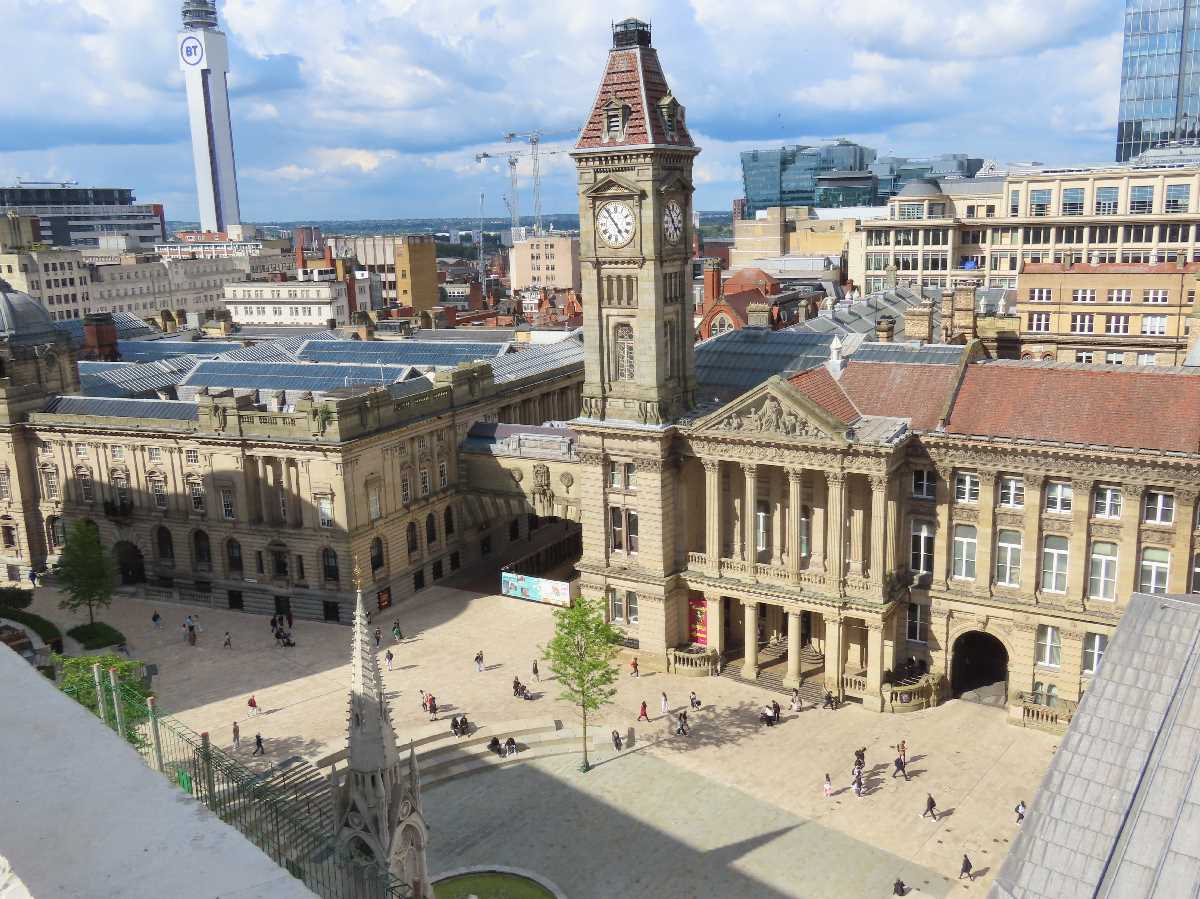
column 772, row 665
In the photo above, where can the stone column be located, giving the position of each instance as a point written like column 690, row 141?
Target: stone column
column 777, row 513
column 1178, row 578
column 873, row 700
column 879, row 531
column 1077, row 561
column 836, row 548
column 295, row 498
column 750, row 512
column 816, row 536
column 795, row 478
column 1031, row 549
column 712, row 512
column 892, row 545
column 750, row 667
column 265, row 478
column 941, row 533
column 1129, row 549
column 834, row 654
column 985, row 532
column 858, row 526
column 714, row 622
column 792, row 678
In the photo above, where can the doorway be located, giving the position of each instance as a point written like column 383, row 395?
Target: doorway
column 979, row 669
column 131, row 567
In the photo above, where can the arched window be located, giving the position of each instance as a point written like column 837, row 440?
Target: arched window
column 201, row 551
column 233, row 555
column 55, row 532
column 412, row 536
column 166, row 546
column 430, row 529
column 448, row 521
column 329, row 564
column 624, row 368
column 719, row 326
column 376, row 554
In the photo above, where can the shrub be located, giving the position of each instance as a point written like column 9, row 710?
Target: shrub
column 15, row 598
column 47, row 630
column 96, row 636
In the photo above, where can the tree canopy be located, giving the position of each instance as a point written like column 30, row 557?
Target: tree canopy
column 86, row 573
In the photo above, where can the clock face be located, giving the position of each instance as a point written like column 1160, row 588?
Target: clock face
column 614, row 221
column 673, row 222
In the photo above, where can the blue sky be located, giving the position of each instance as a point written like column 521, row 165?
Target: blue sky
column 376, row 108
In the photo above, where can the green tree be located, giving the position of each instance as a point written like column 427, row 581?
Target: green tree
column 85, row 572
column 75, row 678
column 581, row 656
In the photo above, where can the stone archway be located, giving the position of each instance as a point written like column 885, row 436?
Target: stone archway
column 979, row 668
column 131, row 566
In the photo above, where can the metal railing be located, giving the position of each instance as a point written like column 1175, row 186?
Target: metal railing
column 282, row 812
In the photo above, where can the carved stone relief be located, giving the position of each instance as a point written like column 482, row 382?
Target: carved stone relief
column 769, row 417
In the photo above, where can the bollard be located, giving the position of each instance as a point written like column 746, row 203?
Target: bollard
column 155, row 737
column 100, row 708
column 118, row 712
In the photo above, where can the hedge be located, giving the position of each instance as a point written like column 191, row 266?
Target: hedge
column 15, row 598
column 47, row 630
column 96, row 636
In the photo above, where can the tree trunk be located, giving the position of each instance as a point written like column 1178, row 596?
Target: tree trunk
column 586, row 765
column 91, row 615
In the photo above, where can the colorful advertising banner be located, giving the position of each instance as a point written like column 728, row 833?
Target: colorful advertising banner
column 535, row 589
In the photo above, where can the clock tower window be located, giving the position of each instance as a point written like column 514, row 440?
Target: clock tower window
column 623, row 353
column 616, row 118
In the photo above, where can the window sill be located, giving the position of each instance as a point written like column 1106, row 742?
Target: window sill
column 1045, row 666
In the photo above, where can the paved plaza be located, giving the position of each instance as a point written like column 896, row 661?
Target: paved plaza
column 734, row 809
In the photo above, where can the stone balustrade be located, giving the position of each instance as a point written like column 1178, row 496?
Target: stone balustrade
column 692, row 663
column 912, row 697
column 697, row 560
column 855, row 684
column 1051, row 718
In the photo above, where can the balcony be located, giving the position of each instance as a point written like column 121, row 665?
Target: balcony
column 756, row 572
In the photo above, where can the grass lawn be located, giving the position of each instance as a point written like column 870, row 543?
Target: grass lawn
column 490, row 886
column 97, row 636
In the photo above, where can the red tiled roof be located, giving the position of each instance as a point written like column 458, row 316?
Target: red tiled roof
column 634, row 77
column 820, row 387
column 904, row 390
column 1136, row 409
column 748, row 278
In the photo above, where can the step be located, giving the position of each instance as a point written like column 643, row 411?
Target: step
column 430, row 737
column 476, row 764
column 452, row 756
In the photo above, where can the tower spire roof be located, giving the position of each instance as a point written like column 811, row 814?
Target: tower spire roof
column 371, row 738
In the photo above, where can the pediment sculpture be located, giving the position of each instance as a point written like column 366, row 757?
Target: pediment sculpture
column 770, row 417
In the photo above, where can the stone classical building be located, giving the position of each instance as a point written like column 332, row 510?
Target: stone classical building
column 886, row 521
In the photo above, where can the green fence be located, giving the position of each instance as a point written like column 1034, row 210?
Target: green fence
column 286, row 812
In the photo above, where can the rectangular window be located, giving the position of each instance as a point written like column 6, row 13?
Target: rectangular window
column 1083, row 323
column 616, row 528
column 373, row 506
column 424, row 482
column 1049, row 646
column 1054, row 564
column 1093, row 651
column 616, row 604
column 51, row 483
column 1141, row 199
column 1014, row 202
column 631, row 531
column 405, row 490
column 1120, row 295
column 1152, row 577
column 1102, row 571
column 117, row 453
column 1038, row 322
column 1041, row 295
column 227, row 507
column 1039, row 202
column 1106, row 200
column 196, row 490
column 1178, row 197
column 325, row 511
column 81, row 451
column 154, row 453
column 1072, row 201
column 1107, row 502
column 1114, row 358
column 192, row 457
column 1083, row 357
column 1154, row 325
column 159, row 489
column 1083, row 296
column 924, row 483
column 1058, row 496
column 1012, row 492
column 1154, row 296
column 630, row 476
column 918, row 623
column 443, row 475
column 1147, row 359
column 1158, row 507
column 922, row 547
column 1008, row 558
column 911, row 211
column 85, row 485
column 1116, row 324
column 965, row 546
column 966, row 487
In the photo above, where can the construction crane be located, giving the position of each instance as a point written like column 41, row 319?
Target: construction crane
column 482, row 277
column 514, row 157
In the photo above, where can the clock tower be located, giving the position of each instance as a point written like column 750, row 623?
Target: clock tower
column 634, row 159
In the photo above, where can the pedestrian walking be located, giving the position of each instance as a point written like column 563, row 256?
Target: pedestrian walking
column 397, row 634
column 192, row 636
column 184, row 630
column 389, row 658
column 643, row 714
column 1020, row 810
column 479, row 661
column 860, row 757
column 930, row 807
column 902, row 750
column 378, row 637
column 432, row 708
column 829, row 702
column 291, row 623
column 274, row 623
column 899, row 768
column 33, row 578
column 965, row 870
column 237, row 738
column 682, row 729
column 156, row 619
column 899, row 888
column 665, row 707
column 633, row 668
column 228, row 641
column 828, row 787
column 693, row 700
column 533, row 669
column 258, row 745
column 196, row 624
column 424, row 701
column 252, row 704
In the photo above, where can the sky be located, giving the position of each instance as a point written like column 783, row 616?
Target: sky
column 354, row 109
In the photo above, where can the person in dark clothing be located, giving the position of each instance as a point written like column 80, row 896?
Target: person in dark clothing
column 965, row 870
column 616, row 740
column 258, row 745
column 1020, row 810
column 860, row 757
column 775, row 710
column 464, row 727
column 930, row 807
column 681, row 728
column 33, row 577
column 510, row 747
column 829, row 702
column 228, row 641
column 494, row 745
column 899, row 888
column 899, row 768
column 291, row 622
column 454, row 725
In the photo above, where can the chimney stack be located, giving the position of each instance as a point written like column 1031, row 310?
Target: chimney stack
column 99, row 338
column 918, row 323
column 885, row 329
column 964, row 310
column 758, row 315
column 712, row 282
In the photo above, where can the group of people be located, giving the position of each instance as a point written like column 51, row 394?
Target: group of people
column 856, row 773
column 283, row 636
column 769, row 714
column 505, row 749
column 429, row 704
column 520, row 690
column 459, row 726
column 191, row 628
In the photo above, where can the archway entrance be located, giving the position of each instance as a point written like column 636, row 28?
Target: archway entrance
column 131, row 566
column 979, row 669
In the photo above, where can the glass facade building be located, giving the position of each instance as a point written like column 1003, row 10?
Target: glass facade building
column 788, row 176
column 1160, row 75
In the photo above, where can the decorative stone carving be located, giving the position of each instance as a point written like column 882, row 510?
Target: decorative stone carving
column 1058, row 526
column 566, row 479
column 587, row 457
column 517, row 474
column 770, row 418
column 1106, row 531
column 711, row 464
column 652, row 412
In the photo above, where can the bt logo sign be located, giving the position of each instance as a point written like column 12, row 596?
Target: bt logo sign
column 191, row 51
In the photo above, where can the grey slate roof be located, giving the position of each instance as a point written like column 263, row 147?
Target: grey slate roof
column 129, row 326
column 291, row 376
column 171, row 410
column 154, row 350
column 912, row 353
column 538, row 359
column 132, row 379
column 1118, row 812
column 399, row 352
column 738, row 361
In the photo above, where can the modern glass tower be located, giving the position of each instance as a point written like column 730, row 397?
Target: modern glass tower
column 204, row 58
column 1160, row 75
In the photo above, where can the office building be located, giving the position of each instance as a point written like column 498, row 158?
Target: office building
column 1160, row 76
column 316, row 299
column 73, row 216
column 204, row 59
column 788, row 231
column 892, row 173
column 547, row 260
column 788, row 176
column 406, row 265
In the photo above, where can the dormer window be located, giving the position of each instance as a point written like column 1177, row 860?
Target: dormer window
column 616, row 118
column 672, row 116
